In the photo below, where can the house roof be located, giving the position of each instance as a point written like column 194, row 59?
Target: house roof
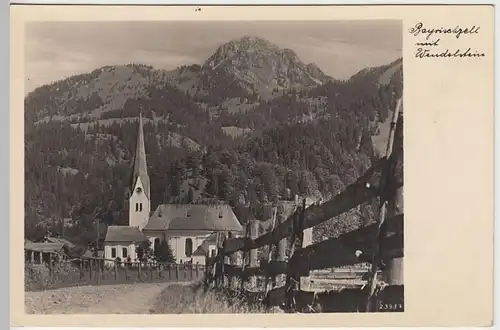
column 44, row 247
column 59, row 240
column 202, row 250
column 89, row 254
column 124, row 234
column 194, row 217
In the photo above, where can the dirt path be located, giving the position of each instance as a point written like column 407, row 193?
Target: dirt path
column 105, row 299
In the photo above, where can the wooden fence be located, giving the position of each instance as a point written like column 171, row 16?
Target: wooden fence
column 98, row 271
column 235, row 267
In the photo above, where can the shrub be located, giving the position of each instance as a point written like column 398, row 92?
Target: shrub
column 40, row 277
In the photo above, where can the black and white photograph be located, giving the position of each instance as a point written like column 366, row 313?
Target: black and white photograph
column 235, row 167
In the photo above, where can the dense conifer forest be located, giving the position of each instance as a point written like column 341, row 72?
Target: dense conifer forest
column 205, row 143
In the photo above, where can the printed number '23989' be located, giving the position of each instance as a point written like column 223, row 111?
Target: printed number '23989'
column 391, row 307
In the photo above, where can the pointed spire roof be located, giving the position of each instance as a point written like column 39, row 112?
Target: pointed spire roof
column 140, row 164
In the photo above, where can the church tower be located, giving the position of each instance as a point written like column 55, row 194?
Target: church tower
column 140, row 198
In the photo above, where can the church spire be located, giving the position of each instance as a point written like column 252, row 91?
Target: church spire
column 140, row 166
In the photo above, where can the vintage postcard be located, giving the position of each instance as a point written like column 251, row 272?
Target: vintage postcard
column 169, row 163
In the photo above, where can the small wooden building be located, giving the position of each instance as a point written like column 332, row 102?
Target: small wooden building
column 43, row 253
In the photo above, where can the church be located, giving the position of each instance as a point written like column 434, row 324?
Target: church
column 188, row 228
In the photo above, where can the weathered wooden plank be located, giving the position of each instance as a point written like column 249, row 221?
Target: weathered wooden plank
column 364, row 189
column 392, row 226
column 270, row 269
column 341, row 251
column 388, row 177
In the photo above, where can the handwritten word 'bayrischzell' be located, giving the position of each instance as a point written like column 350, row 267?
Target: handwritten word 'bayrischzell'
column 457, row 31
column 421, row 53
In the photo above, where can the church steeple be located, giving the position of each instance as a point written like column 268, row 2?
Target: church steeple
column 139, row 201
column 140, row 164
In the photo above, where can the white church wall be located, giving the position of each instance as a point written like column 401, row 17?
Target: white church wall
column 177, row 241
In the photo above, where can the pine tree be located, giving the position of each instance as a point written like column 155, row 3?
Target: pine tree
column 163, row 253
column 143, row 251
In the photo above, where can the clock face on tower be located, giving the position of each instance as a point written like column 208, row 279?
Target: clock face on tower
column 138, row 190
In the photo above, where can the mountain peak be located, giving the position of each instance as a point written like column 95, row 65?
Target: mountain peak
column 262, row 66
column 248, row 41
column 242, row 47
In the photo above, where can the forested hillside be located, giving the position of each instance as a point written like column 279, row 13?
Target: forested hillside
column 305, row 134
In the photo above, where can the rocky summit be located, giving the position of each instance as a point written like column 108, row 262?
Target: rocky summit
column 260, row 66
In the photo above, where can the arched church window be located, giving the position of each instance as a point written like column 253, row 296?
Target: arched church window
column 124, row 252
column 189, row 247
column 140, row 207
column 136, row 207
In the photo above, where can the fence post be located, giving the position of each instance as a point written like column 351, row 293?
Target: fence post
column 231, row 260
column 306, row 240
column 139, row 269
column 151, row 271
column 392, row 274
column 386, row 176
column 292, row 277
column 50, row 263
column 244, row 257
column 126, row 266
column 115, row 266
column 81, row 267
column 267, row 285
column 98, row 270
column 177, row 272
column 90, row 269
column 281, row 247
column 254, row 232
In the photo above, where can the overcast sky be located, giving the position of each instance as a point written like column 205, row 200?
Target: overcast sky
column 55, row 50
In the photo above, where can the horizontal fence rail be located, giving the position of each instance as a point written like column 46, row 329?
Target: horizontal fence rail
column 363, row 190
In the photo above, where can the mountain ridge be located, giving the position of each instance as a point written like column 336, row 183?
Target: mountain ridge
column 204, row 136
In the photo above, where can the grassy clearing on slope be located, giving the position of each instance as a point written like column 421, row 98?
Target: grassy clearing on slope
column 192, row 299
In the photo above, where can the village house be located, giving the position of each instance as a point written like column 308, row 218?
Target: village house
column 120, row 242
column 187, row 228
column 207, row 248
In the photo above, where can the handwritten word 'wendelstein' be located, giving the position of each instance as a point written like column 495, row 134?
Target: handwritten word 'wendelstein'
column 457, row 31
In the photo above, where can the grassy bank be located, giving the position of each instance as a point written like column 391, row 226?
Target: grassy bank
column 193, row 299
